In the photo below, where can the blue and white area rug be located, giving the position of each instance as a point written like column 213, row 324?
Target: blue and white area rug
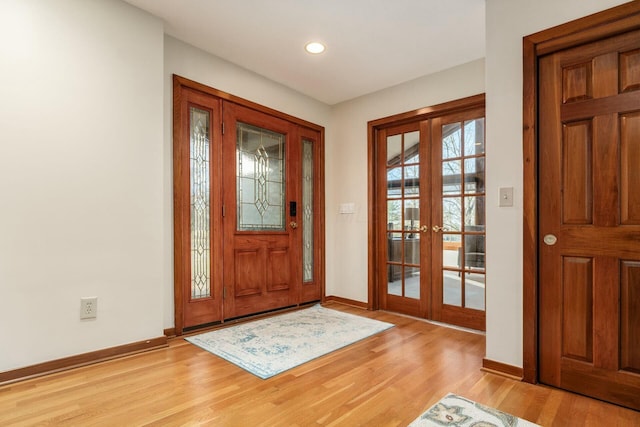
column 269, row 346
column 456, row 411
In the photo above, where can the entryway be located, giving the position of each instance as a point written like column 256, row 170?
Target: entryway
column 428, row 222
column 582, row 206
column 248, row 207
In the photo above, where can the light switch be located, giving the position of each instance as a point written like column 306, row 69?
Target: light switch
column 506, row 196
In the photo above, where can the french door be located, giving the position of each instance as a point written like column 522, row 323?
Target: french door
column 247, row 208
column 430, row 204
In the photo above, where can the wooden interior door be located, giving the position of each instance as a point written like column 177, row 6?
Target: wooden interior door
column 262, row 237
column 589, row 219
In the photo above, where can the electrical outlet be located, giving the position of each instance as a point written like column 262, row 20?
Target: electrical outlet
column 88, row 307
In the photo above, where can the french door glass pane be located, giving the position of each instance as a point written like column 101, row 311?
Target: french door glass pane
column 451, row 248
column 474, row 217
column 411, row 143
column 394, row 183
column 452, row 213
column 199, row 123
column 451, row 141
column 260, row 179
column 474, row 290
column 474, row 175
column 307, row 210
column 412, row 180
column 394, row 150
column 452, row 288
column 412, row 216
column 451, row 177
column 412, row 282
column 394, row 212
column 474, row 137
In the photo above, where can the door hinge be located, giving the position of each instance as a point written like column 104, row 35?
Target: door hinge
column 224, row 292
column 223, row 128
column 224, row 211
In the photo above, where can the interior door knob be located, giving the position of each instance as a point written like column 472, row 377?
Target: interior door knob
column 424, row 228
column 293, row 224
column 549, row 239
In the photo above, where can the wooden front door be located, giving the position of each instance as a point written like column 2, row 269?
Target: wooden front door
column 589, row 219
column 248, row 207
column 262, row 259
column 431, row 193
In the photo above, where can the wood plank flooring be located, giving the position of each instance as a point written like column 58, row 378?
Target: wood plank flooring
column 386, row 380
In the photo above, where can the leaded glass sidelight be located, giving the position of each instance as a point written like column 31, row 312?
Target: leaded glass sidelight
column 199, row 123
column 307, row 210
column 260, row 179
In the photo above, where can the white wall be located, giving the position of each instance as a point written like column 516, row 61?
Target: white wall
column 346, row 166
column 507, row 22
column 81, row 161
column 190, row 62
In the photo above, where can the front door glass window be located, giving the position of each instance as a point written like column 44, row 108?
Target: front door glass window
column 199, row 123
column 260, row 179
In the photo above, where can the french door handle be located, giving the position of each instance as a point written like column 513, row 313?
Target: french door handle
column 424, row 228
column 293, row 224
column 437, row 228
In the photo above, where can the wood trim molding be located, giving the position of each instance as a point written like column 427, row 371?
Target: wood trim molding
column 347, row 301
column 169, row 332
column 502, row 369
column 530, row 218
column 183, row 81
column 463, row 104
column 84, row 359
column 610, row 22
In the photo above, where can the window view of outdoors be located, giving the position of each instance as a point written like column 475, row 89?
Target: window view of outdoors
column 463, row 214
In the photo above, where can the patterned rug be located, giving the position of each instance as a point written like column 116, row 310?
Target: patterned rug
column 457, row 411
column 275, row 344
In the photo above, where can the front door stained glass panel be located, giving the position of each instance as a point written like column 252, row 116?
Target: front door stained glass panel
column 199, row 148
column 260, row 178
column 307, row 210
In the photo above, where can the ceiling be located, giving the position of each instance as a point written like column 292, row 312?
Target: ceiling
column 371, row 44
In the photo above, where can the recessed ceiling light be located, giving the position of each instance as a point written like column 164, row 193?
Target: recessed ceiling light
column 314, row 47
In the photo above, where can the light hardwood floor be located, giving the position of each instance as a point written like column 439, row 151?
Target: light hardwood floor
column 386, row 380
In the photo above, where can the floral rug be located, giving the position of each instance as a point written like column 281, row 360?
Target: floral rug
column 457, row 411
column 275, row 344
